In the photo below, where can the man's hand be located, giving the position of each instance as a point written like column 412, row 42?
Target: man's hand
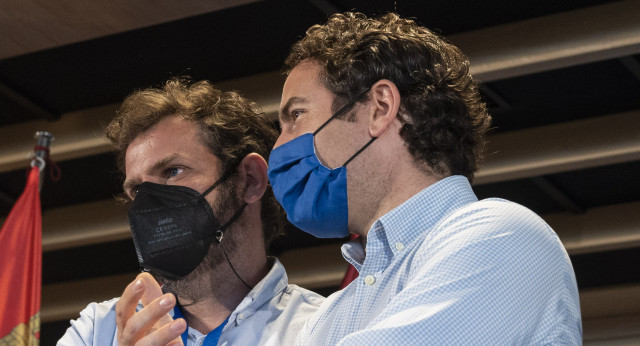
column 152, row 325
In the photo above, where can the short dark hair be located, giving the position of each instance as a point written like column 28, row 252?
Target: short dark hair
column 232, row 127
column 444, row 119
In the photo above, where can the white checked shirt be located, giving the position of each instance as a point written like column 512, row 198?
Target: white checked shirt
column 446, row 269
column 271, row 314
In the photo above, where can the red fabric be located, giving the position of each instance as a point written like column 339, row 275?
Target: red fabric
column 21, row 267
column 351, row 273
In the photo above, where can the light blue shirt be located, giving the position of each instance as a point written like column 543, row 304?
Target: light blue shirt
column 446, row 269
column 272, row 313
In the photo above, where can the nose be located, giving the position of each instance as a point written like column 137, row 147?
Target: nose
column 283, row 138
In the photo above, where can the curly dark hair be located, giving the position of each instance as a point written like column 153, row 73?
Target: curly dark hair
column 232, row 127
column 444, row 119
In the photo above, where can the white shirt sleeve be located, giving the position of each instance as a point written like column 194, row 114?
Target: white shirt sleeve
column 95, row 326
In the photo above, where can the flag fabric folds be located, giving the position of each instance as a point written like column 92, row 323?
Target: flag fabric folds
column 21, row 268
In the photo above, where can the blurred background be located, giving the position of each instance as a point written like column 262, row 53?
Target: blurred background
column 562, row 79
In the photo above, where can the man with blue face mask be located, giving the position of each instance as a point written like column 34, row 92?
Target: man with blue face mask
column 201, row 216
column 382, row 130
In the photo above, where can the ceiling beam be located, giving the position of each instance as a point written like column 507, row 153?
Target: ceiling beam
column 617, row 330
column 77, row 134
column 63, row 301
column 607, row 228
column 609, row 302
column 554, row 41
column 611, row 314
column 81, row 133
column 561, row 147
column 315, row 267
column 33, row 25
column 561, row 40
column 84, row 224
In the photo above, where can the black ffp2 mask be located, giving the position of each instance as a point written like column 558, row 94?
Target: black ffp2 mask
column 173, row 227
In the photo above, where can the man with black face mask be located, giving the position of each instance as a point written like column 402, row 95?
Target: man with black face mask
column 201, row 217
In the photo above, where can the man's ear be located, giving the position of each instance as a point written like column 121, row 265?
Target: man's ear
column 385, row 99
column 253, row 176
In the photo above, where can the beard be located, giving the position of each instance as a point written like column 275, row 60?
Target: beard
column 196, row 285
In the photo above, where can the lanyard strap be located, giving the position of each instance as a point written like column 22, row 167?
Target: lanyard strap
column 210, row 340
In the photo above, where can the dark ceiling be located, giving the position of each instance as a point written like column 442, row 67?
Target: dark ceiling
column 539, row 111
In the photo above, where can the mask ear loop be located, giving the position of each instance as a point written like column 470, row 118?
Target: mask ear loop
column 341, row 111
column 220, row 236
column 220, row 231
column 222, row 179
column 359, row 151
column 232, row 268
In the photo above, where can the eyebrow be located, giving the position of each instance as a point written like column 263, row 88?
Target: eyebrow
column 158, row 166
column 291, row 101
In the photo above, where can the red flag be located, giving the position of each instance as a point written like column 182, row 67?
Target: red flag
column 21, row 268
column 351, row 273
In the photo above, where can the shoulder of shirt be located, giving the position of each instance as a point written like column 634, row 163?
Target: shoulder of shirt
column 491, row 217
column 500, row 211
column 308, row 296
column 102, row 307
column 101, row 311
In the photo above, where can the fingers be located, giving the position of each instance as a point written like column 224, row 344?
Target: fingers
column 126, row 306
column 142, row 322
column 168, row 334
column 152, row 289
column 133, row 325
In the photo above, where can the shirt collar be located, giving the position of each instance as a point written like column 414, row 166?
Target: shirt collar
column 271, row 285
column 404, row 224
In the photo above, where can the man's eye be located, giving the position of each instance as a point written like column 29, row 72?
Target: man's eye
column 134, row 191
column 288, row 119
column 172, row 172
column 296, row 114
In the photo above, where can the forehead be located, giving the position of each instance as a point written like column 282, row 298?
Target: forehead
column 304, row 78
column 170, row 135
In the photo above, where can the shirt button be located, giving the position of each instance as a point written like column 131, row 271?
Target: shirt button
column 369, row 280
column 240, row 316
column 399, row 246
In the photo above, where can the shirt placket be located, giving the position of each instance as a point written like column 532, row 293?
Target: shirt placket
column 372, row 275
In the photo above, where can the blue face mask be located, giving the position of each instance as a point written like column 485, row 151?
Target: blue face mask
column 314, row 196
